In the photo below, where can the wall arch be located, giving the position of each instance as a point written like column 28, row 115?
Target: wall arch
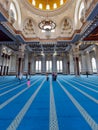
column 18, row 11
column 93, row 61
column 78, row 12
column 13, row 11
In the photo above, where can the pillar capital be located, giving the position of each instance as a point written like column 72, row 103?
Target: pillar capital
column 75, row 51
column 21, row 50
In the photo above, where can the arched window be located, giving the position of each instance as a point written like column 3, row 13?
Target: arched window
column 49, row 66
column 94, row 65
column 59, row 66
column 80, row 66
column 61, row 2
column 38, row 66
column 13, row 12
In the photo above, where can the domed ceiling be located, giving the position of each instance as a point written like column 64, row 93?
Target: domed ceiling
column 47, row 4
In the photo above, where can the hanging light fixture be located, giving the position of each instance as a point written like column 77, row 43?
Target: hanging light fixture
column 47, row 25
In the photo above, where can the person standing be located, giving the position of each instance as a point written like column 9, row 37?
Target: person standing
column 26, row 76
column 28, row 83
column 87, row 74
column 47, row 78
column 20, row 77
column 55, row 76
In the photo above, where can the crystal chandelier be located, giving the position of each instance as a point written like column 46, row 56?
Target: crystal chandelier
column 47, row 25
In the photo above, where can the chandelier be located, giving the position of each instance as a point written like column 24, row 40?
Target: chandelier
column 47, row 25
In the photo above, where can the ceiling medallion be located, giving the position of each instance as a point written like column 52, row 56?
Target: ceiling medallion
column 47, row 25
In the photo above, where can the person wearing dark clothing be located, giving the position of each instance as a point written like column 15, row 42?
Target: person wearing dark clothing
column 20, row 78
column 87, row 73
column 53, row 76
column 26, row 76
column 47, row 78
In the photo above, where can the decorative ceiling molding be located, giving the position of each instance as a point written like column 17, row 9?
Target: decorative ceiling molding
column 4, row 12
column 48, row 4
column 67, row 28
column 93, row 36
column 12, row 29
column 24, row 39
column 28, row 28
column 44, row 13
column 91, row 8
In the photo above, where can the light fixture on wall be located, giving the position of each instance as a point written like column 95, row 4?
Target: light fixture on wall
column 55, row 53
column 6, row 51
column 42, row 53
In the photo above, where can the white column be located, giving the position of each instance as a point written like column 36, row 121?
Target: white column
column 26, row 63
column 43, row 64
column 65, row 64
column 33, row 64
column 29, row 62
column 0, row 55
column 54, row 65
column 17, row 62
column 1, row 59
column 75, row 52
column 21, row 58
column 96, row 55
column 71, row 64
column 88, row 63
column 12, row 69
column 83, row 63
column 68, row 64
column 3, row 63
column 8, row 64
column 6, row 60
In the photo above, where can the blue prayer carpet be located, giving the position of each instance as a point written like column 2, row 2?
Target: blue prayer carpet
column 69, row 103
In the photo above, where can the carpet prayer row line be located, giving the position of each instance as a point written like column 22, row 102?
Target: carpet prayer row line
column 69, row 103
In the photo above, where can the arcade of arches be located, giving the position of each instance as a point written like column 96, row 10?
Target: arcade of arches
column 10, row 64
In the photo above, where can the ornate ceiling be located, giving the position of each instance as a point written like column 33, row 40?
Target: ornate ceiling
column 21, row 19
column 4, row 36
column 93, row 36
column 61, row 16
column 47, row 4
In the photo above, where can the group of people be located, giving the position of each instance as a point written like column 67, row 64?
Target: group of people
column 54, row 76
column 20, row 76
